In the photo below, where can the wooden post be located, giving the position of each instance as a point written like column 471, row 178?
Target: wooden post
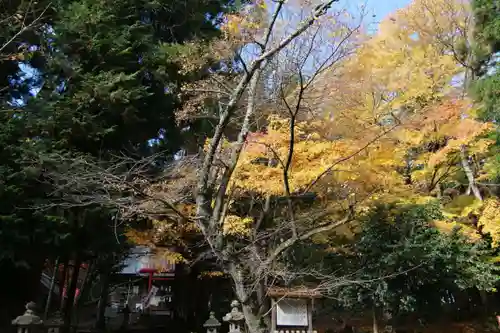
column 51, row 289
column 150, row 281
column 309, row 316
column 273, row 315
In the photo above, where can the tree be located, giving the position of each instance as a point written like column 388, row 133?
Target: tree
column 248, row 258
column 410, row 270
column 26, row 235
column 280, row 167
column 486, row 37
column 106, row 84
column 441, row 138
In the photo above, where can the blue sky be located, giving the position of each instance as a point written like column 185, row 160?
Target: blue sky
column 384, row 7
column 379, row 8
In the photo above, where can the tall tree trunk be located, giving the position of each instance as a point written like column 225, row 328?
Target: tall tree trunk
column 63, row 284
column 484, row 300
column 83, row 288
column 470, row 174
column 249, row 305
column 85, row 283
column 103, row 302
column 374, row 319
column 475, row 190
column 253, row 321
column 51, row 289
column 68, row 308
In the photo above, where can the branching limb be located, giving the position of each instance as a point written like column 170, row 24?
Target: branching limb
column 203, row 201
column 25, row 27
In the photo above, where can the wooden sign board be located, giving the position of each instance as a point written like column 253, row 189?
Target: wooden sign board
column 292, row 312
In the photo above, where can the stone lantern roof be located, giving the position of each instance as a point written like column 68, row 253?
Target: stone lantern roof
column 235, row 315
column 212, row 322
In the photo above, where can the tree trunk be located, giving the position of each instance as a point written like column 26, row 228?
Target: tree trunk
column 374, row 318
column 83, row 288
column 63, row 284
column 475, row 190
column 51, row 289
column 71, row 291
column 249, row 299
column 484, row 300
column 439, row 191
column 103, row 302
column 253, row 322
column 470, row 174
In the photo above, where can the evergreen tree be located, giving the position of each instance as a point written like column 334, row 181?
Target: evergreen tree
column 406, row 268
column 106, row 79
column 487, row 40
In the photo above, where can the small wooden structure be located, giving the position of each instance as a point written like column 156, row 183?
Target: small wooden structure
column 292, row 309
column 153, row 293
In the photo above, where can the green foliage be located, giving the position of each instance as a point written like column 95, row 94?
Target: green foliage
column 492, row 168
column 107, row 86
column 24, row 230
column 487, row 23
column 404, row 265
column 486, row 90
column 487, row 39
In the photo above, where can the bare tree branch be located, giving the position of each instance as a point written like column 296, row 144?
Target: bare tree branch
column 202, row 198
column 330, row 168
column 25, row 27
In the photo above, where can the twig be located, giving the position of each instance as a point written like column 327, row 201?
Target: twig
column 24, row 28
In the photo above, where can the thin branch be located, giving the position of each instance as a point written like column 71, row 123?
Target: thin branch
column 24, row 28
column 321, row 175
column 203, row 201
column 304, row 236
column 271, row 25
column 214, row 91
column 245, row 127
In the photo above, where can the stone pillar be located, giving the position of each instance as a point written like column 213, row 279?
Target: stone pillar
column 29, row 322
column 212, row 324
column 235, row 318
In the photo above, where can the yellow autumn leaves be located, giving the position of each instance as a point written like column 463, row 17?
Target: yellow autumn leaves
column 402, row 77
column 451, row 124
column 341, row 162
column 235, row 225
column 242, row 27
column 490, row 219
column 376, row 116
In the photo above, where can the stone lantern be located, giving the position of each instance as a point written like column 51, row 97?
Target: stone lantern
column 212, row 324
column 29, row 322
column 235, row 318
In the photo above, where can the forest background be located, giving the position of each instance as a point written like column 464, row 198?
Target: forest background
column 262, row 143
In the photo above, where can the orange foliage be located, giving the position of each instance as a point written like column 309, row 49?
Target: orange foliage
column 388, row 123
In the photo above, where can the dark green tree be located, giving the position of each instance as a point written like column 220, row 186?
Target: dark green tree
column 406, row 269
column 83, row 78
column 487, row 41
